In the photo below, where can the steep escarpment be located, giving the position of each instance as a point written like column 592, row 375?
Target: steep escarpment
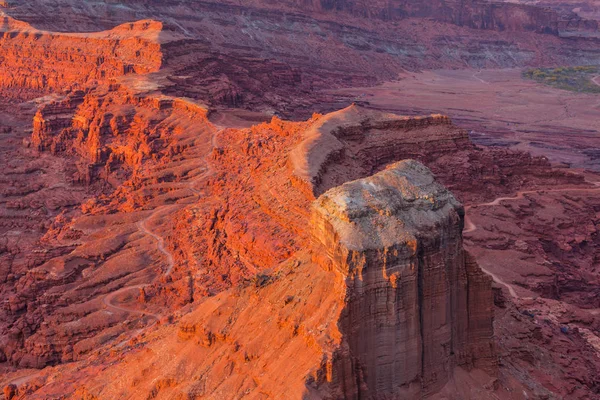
column 111, row 130
column 492, row 15
column 415, row 307
column 479, row 14
column 356, row 142
column 34, row 62
column 276, row 56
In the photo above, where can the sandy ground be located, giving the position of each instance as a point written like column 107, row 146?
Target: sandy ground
column 500, row 108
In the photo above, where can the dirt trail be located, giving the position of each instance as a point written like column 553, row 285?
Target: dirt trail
column 108, row 301
column 19, row 380
column 160, row 242
column 209, row 170
column 478, row 78
column 499, row 281
column 471, row 227
column 596, row 80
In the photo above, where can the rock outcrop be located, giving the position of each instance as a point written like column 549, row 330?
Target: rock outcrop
column 356, row 142
column 111, row 129
column 35, row 62
column 416, row 305
column 202, row 237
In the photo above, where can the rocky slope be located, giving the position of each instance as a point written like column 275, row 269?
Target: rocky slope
column 106, row 158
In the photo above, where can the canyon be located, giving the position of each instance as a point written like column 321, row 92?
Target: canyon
column 217, row 201
column 278, row 58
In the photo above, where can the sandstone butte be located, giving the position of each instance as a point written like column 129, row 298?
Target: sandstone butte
column 164, row 255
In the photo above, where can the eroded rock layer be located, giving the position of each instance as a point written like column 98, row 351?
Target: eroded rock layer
column 356, row 142
column 34, row 62
column 187, row 252
column 277, row 56
column 415, row 308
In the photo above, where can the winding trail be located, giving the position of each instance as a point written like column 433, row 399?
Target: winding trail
column 109, row 298
column 471, row 227
column 478, row 78
column 160, row 242
column 596, row 80
column 499, row 281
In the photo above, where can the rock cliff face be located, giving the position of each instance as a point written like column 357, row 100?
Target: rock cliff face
column 356, row 142
column 33, row 62
column 110, row 129
column 478, row 14
column 416, row 306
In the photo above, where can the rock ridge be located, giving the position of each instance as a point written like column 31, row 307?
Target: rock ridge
column 325, row 142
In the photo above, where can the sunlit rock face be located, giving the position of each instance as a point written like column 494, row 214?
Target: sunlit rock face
column 417, row 305
column 36, row 62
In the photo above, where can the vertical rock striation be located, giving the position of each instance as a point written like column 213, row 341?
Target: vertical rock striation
column 417, row 306
column 34, row 62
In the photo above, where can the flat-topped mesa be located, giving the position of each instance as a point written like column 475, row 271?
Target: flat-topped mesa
column 356, row 142
column 417, row 306
column 36, row 62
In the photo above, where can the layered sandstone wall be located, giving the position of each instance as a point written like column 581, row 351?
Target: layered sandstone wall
column 110, row 128
column 477, row 14
column 329, row 142
column 417, row 306
column 356, row 142
column 34, row 61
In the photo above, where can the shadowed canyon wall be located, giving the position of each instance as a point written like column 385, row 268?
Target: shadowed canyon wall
column 478, row 14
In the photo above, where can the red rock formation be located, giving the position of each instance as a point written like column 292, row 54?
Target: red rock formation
column 356, row 142
column 111, row 129
column 228, row 54
column 33, row 62
column 218, row 214
column 10, row 391
column 416, row 308
column 113, row 136
column 192, row 256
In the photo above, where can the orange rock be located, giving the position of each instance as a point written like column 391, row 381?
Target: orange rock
column 68, row 61
column 10, row 391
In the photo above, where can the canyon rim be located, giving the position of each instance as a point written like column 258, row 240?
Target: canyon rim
column 214, row 199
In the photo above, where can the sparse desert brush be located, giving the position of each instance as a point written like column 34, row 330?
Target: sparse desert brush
column 576, row 79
